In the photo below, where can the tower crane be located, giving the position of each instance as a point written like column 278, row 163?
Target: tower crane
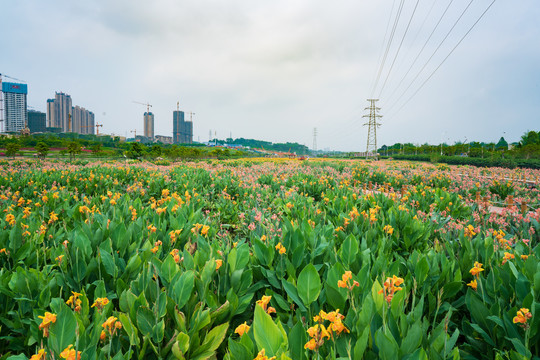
column 12, row 78
column 147, row 104
column 97, row 127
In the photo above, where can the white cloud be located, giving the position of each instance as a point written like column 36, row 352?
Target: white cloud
column 274, row 70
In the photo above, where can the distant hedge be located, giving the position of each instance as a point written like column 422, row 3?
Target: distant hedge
column 480, row 162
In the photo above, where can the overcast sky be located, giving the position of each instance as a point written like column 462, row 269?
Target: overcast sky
column 275, row 70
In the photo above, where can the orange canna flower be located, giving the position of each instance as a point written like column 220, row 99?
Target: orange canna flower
column 47, row 320
column 70, row 354
column 219, row 262
column 476, row 269
column 338, row 327
column 261, row 356
column 265, row 300
column 205, row 229
column 507, row 256
column 388, row 229
column 174, row 253
column 39, row 356
column 74, row 301
column 270, row 310
column 391, row 286
column 100, row 303
column 469, row 231
column 111, row 324
column 281, row 248
column 311, row 345
column 522, row 316
column 473, row 284
column 242, row 329
column 52, row 217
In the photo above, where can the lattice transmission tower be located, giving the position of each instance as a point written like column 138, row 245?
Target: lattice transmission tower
column 371, row 148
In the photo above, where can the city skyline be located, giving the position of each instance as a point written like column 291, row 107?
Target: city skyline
column 276, row 71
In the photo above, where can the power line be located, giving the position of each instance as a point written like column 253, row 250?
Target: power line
column 384, row 39
column 399, row 47
column 447, row 56
column 423, row 47
column 433, row 54
column 396, row 21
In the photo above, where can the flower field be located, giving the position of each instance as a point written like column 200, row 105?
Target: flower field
column 261, row 259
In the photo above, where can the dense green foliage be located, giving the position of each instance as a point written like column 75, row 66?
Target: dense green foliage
column 183, row 255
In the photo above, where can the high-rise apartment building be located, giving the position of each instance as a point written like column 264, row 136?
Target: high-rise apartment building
column 182, row 130
column 36, row 121
column 64, row 117
column 149, row 125
column 59, row 112
column 51, row 114
column 15, row 114
column 63, row 107
column 83, row 120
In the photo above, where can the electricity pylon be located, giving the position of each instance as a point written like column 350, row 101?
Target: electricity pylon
column 372, row 127
column 314, row 139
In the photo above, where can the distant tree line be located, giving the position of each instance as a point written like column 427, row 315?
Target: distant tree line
column 527, row 148
column 525, row 153
column 266, row 145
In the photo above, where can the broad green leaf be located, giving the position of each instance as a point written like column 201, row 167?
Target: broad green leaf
column 520, row 348
column 130, row 330
column 388, row 349
column 349, row 249
column 159, row 332
column 378, row 298
column 183, row 342
column 361, row 344
column 161, row 305
column 62, row 332
column 145, row 321
column 421, row 271
column 309, row 284
column 168, row 269
column 212, row 340
column 182, row 288
column 419, row 354
column 413, row 339
column 297, row 339
column 266, row 333
column 290, row 289
column 238, row 350
column 108, row 262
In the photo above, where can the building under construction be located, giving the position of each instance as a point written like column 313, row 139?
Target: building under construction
column 182, row 129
